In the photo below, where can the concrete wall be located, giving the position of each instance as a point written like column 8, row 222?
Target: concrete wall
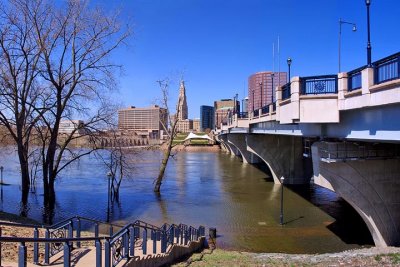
column 176, row 252
column 372, row 187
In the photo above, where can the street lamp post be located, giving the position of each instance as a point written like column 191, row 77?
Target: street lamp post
column 281, row 216
column 368, row 3
column 289, row 62
column 273, row 88
column 340, row 35
column 108, row 196
column 261, row 94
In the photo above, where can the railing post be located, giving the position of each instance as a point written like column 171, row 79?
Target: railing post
column 96, row 230
column 78, row 232
column 67, row 255
column 0, row 245
column 22, row 255
column 126, row 244
column 144, row 242
column 47, row 248
column 132, row 241
column 171, row 235
column 111, row 230
column 177, row 234
column 35, row 247
column 163, row 241
column 98, row 253
column 154, row 237
column 107, row 254
column 186, row 237
column 182, row 234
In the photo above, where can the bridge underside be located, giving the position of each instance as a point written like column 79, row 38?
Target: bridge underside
column 370, row 183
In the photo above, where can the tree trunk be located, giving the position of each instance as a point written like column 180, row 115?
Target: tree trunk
column 164, row 163
column 25, row 181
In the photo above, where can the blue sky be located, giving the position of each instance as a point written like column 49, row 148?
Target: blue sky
column 219, row 43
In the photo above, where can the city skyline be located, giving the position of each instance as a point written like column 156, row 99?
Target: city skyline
column 217, row 46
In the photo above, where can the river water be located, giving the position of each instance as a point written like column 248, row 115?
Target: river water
column 202, row 188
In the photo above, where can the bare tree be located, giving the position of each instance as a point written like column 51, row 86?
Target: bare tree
column 172, row 131
column 55, row 68
column 118, row 161
column 21, row 96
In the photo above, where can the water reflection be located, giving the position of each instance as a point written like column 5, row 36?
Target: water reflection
column 211, row 189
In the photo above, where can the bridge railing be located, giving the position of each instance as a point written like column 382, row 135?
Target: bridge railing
column 256, row 113
column 387, row 69
column 315, row 85
column 286, row 91
column 354, row 79
column 243, row 115
column 265, row 110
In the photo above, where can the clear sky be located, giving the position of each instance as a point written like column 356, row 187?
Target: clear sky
column 218, row 44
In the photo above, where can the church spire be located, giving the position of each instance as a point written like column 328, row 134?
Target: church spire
column 182, row 104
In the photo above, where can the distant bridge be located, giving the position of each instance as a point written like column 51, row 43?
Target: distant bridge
column 342, row 131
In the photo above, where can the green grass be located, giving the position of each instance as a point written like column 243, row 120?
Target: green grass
column 394, row 257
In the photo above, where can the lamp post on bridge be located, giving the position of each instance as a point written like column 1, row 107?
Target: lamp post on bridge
column 368, row 3
column 261, row 94
column 281, row 215
column 289, row 62
column 340, row 35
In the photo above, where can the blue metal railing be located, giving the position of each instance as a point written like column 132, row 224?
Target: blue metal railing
column 286, row 91
column 256, row 113
column 265, row 110
column 315, row 85
column 354, row 79
column 118, row 246
column 243, row 115
column 387, row 69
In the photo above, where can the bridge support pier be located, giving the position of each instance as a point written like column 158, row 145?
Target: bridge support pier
column 239, row 141
column 372, row 187
column 229, row 147
column 283, row 155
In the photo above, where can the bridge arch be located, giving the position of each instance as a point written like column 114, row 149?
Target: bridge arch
column 372, row 188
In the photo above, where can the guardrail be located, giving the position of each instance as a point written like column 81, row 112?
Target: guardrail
column 387, row 69
column 315, row 85
column 354, row 79
column 243, row 115
column 286, row 91
column 117, row 246
column 265, row 110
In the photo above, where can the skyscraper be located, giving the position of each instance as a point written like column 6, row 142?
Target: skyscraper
column 182, row 104
column 206, row 118
column 261, row 90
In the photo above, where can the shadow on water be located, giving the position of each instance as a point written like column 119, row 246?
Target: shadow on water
column 348, row 225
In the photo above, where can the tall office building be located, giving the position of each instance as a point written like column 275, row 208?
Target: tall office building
column 206, row 118
column 222, row 109
column 151, row 121
column 262, row 88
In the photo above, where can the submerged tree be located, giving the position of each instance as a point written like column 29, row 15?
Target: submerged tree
column 56, row 67
column 22, row 97
column 172, row 131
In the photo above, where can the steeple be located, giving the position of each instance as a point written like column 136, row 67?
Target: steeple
column 182, row 104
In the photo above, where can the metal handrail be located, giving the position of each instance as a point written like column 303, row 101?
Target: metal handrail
column 117, row 246
column 354, row 79
column 387, row 69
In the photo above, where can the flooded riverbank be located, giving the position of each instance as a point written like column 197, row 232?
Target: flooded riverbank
column 208, row 188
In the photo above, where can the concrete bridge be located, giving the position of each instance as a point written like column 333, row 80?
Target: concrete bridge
column 341, row 131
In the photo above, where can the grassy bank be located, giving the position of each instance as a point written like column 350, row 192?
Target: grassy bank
column 361, row 257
